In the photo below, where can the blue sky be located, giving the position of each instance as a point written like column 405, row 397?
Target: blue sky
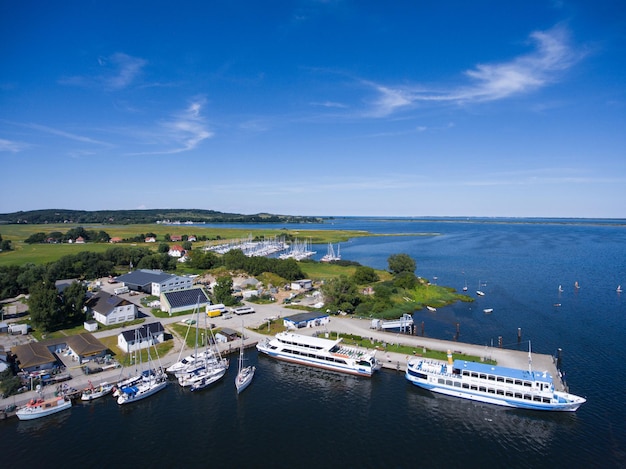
column 403, row 108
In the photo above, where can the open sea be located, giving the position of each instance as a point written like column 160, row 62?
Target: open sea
column 296, row 417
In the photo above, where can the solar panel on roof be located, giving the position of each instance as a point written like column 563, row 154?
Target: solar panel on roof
column 183, row 298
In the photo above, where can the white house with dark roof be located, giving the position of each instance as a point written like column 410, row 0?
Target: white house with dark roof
column 110, row 309
column 142, row 337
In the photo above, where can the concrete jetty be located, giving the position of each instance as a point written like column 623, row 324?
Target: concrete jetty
column 503, row 357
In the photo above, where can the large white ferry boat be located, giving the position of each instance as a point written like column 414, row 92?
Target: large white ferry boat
column 491, row 384
column 321, row 353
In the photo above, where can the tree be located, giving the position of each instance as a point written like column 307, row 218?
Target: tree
column 73, row 301
column 203, row 260
column 363, row 275
column 235, row 259
column 44, row 305
column 341, row 294
column 400, row 263
column 36, row 238
column 163, row 248
column 406, row 280
column 223, row 291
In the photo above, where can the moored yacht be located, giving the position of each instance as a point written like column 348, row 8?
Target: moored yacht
column 37, row 408
column 320, row 353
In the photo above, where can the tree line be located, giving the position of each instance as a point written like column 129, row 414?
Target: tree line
column 128, row 217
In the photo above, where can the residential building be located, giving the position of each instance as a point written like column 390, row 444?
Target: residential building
column 141, row 337
column 110, row 309
column 176, row 250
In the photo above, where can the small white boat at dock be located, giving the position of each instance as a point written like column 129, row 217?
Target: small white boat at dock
column 94, row 392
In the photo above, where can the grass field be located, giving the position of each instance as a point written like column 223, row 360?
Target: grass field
column 324, row 270
column 44, row 253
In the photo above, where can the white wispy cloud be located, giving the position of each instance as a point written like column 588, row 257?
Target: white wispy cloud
column 330, row 104
column 183, row 131
column 12, row 146
column 116, row 72
column 552, row 54
column 65, row 134
column 125, row 70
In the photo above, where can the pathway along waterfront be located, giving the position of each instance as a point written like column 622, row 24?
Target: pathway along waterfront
column 340, row 324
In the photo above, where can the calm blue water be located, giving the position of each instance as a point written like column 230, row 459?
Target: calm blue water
column 295, row 417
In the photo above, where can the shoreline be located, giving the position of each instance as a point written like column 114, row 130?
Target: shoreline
column 347, row 325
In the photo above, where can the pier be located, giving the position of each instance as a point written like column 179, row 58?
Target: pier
column 395, row 361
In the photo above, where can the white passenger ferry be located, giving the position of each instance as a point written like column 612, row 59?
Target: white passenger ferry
column 320, row 353
column 491, row 384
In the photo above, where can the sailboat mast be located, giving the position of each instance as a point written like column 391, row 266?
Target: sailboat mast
column 530, row 359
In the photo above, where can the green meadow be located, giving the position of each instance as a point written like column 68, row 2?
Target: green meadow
column 44, row 253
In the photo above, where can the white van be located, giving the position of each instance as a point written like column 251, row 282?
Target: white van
column 243, row 310
column 215, row 310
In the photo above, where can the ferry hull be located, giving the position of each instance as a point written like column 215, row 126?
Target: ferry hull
column 322, row 366
column 320, row 353
column 559, row 401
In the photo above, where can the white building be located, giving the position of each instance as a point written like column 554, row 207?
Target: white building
column 305, row 284
column 154, row 282
column 110, row 309
column 141, row 338
column 300, row 320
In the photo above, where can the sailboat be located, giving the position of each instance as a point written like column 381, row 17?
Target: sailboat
column 560, row 289
column 619, row 289
column 465, row 287
column 130, row 379
column 194, row 360
column 210, row 368
column 331, row 255
column 479, row 292
column 152, row 380
column 244, row 373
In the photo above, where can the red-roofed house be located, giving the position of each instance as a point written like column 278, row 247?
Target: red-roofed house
column 176, row 251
